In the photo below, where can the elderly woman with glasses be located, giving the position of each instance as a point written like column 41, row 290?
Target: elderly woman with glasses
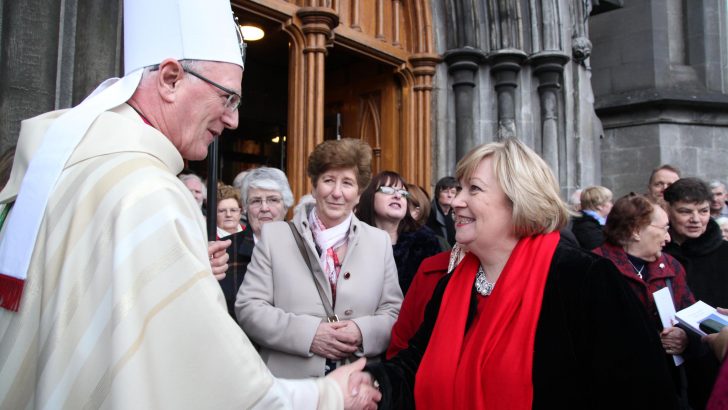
column 266, row 197
column 635, row 233
column 229, row 207
column 384, row 204
column 524, row 320
column 323, row 289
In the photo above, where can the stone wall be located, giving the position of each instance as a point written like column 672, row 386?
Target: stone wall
column 516, row 68
column 52, row 54
column 659, row 76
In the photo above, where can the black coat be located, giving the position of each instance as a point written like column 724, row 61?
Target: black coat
column 442, row 224
column 239, row 253
column 705, row 260
column 595, row 347
column 588, row 231
column 409, row 251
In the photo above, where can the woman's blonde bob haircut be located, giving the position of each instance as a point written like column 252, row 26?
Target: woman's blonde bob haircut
column 526, row 180
column 595, row 196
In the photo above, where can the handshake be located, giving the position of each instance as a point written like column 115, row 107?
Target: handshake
column 357, row 386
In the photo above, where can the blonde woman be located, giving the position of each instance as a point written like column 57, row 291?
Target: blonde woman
column 596, row 202
column 525, row 320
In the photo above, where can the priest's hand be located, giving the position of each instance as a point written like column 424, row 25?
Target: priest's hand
column 218, row 257
column 326, row 343
column 356, row 386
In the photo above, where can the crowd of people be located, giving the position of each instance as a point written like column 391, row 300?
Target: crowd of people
column 492, row 293
column 501, row 214
column 670, row 237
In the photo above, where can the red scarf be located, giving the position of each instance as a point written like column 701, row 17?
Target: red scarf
column 491, row 366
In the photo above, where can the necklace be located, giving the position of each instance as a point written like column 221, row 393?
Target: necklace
column 482, row 285
column 637, row 271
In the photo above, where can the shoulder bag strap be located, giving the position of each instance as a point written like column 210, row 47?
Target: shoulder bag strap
column 330, row 316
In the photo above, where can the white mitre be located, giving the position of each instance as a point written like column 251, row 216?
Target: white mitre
column 153, row 31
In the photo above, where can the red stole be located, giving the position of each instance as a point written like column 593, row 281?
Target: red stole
column 491, row 366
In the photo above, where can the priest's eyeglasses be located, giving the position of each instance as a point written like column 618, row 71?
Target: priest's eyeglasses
column 388, row 190
column 233, row 98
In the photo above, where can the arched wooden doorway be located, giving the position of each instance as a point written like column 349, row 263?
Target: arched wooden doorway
column 360, row 69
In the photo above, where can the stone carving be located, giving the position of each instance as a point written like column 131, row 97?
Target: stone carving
column 581, row 49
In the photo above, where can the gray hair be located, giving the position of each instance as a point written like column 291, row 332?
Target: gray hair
column 716, row 184
column 305, row 200
column 272, row 179
column 192, row 177
column 238, row 181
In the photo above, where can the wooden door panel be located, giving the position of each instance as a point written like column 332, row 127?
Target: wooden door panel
column 369, row 111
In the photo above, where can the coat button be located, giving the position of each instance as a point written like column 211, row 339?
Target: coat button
column 348, row 312
column 347, row 275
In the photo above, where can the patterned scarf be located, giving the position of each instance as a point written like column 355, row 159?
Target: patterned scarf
column 328, row 240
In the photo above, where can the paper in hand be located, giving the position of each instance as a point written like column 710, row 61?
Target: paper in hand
column 666, row 309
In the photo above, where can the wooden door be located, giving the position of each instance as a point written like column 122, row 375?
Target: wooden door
column 362, row 100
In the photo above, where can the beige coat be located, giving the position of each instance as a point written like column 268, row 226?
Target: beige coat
column 279, row 307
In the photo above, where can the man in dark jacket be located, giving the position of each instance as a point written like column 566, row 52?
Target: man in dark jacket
column 698, row 244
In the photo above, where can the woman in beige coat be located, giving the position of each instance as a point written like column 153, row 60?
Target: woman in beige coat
column 278, row 304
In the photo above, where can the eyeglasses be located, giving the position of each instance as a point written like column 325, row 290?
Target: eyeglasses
column 256, row 203
column 388, row 190
column 664, row 228
column 228, row 210
column 233, row 99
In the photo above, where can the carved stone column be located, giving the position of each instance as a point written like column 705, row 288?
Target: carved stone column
column 318, row 25
column 463, row 65
column 549, row 68
column 505, row 66
column 418, row 164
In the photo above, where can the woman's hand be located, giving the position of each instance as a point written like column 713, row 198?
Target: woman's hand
column 218, row 257
column 331, row 344
column 356, row 386
column 718, row 341
column 349, row 333
column 674, row 340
